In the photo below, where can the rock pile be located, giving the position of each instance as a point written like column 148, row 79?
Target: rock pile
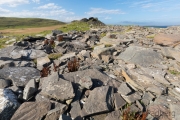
column 88, row 76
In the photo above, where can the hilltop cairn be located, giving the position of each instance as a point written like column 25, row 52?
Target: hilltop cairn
column 103, row 74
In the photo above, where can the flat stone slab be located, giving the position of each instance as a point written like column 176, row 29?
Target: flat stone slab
column 20, row 75
column 99, row 101
column 141, row 56
column 8, row 104
column 32, row 111
column 166, row 39
column 27, row 54
column 97, row 77
column 57, row 88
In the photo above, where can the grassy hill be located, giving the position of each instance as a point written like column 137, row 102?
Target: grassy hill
column 12, row 22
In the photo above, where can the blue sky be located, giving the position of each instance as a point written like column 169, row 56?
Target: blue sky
column 138, row 12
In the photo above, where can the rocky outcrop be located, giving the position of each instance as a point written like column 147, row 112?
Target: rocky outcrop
column 98, row 74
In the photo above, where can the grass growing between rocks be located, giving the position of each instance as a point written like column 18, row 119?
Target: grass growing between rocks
column 174, row 72
column 77, row 26
column 54, row 56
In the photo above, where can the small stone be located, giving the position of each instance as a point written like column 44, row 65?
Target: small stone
column 29, row 89
column 124, row 89
column 69, row 101
column 75, row 109
column 115, row 115
column 175, row 111
column 42, row 61
column 119, row 101
column 86, row 82
column 132, row 98
column 4, row 83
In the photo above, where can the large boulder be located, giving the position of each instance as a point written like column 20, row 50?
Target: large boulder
column 57, row 88
column 8, row 104
column 141, row 56
column 20, row 76
column 167, row 39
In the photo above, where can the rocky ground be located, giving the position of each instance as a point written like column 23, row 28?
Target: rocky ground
column 101, row 74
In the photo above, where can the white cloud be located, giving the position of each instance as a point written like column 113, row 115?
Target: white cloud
column 36, row 1
column 3, row 10
column 98, row 11
column 107, row 18
column 13, row 3
column 49, row 6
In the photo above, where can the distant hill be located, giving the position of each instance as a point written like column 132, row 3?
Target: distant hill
column 12, row 22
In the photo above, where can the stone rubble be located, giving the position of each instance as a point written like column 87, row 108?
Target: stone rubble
column 117, row 67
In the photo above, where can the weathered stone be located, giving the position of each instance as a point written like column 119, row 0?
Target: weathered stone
column 75, row 110
column 171, row 53
column 166, row 39
column 97, row 77
column 64, row 117
column 141, row 56
column 132, row 98
column 106, row 58
column 97, row 52
column 86, row 82
column 69, row 55
column 54, row 113
column 29, row 89
column 42, row 61
column 4, row 83
column 175, row 111
column 115, row 115
column 159, row 111
column 124, row 89
column 8, row 104
column 57, row 88
column 20, row 75
column 133, row 108
column 32, row 111
column 99, row 101
column 118, row 101
column 27, row 54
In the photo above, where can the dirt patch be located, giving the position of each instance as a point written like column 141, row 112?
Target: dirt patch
column 29, row 30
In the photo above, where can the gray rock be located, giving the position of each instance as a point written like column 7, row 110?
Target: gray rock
column 57, row 88
column 124, row 89
column 20, row 75
column 4, row 83
column 54, row 113
column 175, row 111
column 29, row 89
column 32, row 111
column 115, row 115
column 97, row 77
column 42, row 61
column 64, row 117
column 118, row 101
column 5, row 52
column 141, row 56
column 27, row 54
column 86, row 82
column 97, row 52
column 99, row 101
column 132, row 98
column 69, row 55
column 171, row 53
column 75, row 110
column 8, row 104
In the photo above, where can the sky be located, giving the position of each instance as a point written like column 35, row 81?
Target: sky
column 114, row 12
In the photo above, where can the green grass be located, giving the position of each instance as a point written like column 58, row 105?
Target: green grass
column 54, row 56
column 77, row 26
column 12, row 22
column 174, row 72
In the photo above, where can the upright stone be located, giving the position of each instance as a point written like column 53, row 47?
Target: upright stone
column 99, row 101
